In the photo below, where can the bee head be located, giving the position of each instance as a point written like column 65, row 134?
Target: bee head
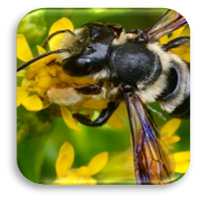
column 89, row 50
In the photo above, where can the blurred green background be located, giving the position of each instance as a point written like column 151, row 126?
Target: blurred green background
column 40, row 135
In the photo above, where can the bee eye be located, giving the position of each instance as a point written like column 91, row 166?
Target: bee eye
column 77, row 66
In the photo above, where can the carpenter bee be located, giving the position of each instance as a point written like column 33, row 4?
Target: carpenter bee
column 134, row 68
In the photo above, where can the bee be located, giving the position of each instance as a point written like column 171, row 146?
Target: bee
column 134, row 68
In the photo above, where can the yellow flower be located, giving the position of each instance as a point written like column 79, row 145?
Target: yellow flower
column 45, row 83
column 183, row 51
column 81, row 176
column 181, row 159
column 38, row 79
column 168, row 130
column 32, row 92
column 116, row 120
column 120, row 165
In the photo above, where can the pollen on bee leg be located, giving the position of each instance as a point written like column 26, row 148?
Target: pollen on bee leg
column 66, row 96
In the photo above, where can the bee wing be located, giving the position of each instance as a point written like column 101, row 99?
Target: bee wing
column 151, row 162
column 169, row 22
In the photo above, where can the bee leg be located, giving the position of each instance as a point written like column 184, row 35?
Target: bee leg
column 141, row 35
column 54, row 34
column 176, row 43
column 102, row 119
column 136, row 31
column 91, row 89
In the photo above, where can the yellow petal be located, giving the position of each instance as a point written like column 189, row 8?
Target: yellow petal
column 164, row 39
column 31, row 72
column 22, row 94
column 40, row 91
column 67, row 149
column 69, row 120
column 65, row 159
column 172, row 139
column 63, row 77
column 41, row 72
column 98, row 163
column 40, row 49
column 183, row 52
column 171, row 127
column 95, row 104
column 182, row 156
column 83, row 80
column 62, row 24
column 121, row 110
column 182, row 167
column 52, row 70
column 83, row 171
column 33, row 103
column 21, row 73
column 182, row 161
column 86, row 181
column 70, row 179
column 62, row 165
column 186, row 31
column 91, row 181
column 23, row 50
column 115, row 121
column 177, row 33
column 26, row 83
column 45, row 82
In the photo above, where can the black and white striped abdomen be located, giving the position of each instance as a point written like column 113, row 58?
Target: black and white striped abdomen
column 175, row 99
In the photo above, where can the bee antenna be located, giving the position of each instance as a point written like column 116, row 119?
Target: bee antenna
column 40, row 57
column 54, row 34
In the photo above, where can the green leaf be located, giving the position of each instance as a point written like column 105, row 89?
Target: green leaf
column 33, row 131
column 33, row 26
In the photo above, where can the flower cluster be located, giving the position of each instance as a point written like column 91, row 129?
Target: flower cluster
column 44, row 83
column 81, row 176
column 119, row 167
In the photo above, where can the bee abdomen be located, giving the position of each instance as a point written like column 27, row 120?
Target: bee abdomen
column 175, row 99
column 183, row 110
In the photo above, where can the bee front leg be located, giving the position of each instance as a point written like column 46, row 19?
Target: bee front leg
column 103, row 117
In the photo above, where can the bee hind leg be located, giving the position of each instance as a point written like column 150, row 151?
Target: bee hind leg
column 180, row 41
column 102, row 119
